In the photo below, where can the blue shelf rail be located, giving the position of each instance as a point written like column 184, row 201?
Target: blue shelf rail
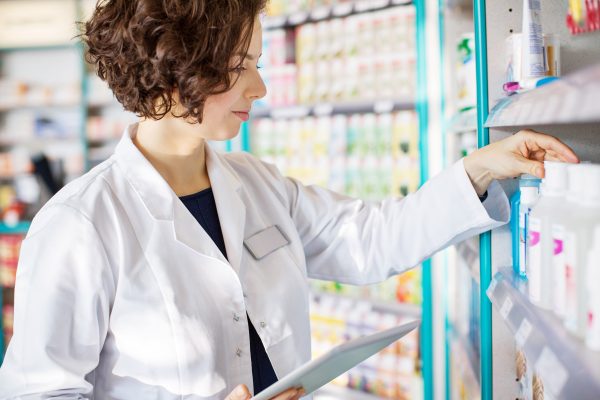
column 485, row 240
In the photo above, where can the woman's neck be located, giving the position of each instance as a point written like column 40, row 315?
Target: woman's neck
column 176, row 150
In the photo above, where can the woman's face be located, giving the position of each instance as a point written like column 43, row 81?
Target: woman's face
column 224, row 113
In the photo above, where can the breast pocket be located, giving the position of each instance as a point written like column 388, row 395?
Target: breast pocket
column 265, row 242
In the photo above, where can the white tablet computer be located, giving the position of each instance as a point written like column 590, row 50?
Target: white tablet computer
column 322, row 370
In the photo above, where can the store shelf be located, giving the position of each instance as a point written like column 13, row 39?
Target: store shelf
column 19, row 229
column 325, row 109
column 65, row 46
column 334, row 392
column 464, row 351
column 405, row 309
column 39, row 106
column 329, row 12
column 569, row 369
column 570, row 100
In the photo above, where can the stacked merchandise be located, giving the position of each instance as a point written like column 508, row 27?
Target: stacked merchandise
column 10, row 246
column 390, row 373
column 557, row 230
column 306, row 127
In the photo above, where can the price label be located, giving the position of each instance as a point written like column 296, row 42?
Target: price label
column 323, row 109
column 383, row 107
column 552, row 371
column 298, row 18
column 523, row 332
column 342, row 9
column 506, row 307
column 319, row 13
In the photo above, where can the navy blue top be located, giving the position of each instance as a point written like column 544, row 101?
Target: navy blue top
column 203, row 207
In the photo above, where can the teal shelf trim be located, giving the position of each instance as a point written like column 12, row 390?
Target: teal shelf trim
column 423, row 111
column 246, row 137
column 447, row 325
column 20, row 229
column 485, row 240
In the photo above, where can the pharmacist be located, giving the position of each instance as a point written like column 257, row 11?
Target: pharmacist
column 171, row 271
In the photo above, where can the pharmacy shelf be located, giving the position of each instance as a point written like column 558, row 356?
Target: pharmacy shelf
column 331, row 392
column 20, row 228
column 325, row 109
column 405, row 309
column 328, row 12
column 464, row 350
column 573, row 99
column 64, row 46
column 569, row 369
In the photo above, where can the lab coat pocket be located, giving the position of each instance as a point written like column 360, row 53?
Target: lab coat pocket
column 265, row 242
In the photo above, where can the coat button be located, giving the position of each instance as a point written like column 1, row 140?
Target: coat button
column 262, row 324
column 238, row 352
column 236, row 317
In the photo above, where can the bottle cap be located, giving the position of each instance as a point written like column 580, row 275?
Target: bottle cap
column 591, row 190
column 576, row 180
column 529, row 195
column 555, row 182
column 527, row 180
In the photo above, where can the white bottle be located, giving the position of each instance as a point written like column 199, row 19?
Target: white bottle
column 562, row 214
column 540, row 245
column 529, row 187
column 578, row 240
column 592, row 334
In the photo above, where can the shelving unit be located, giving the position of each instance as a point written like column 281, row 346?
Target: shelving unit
column 418, row 102
column 325, row 109
column 574, row 120
column 571, row 369
column 328, row 12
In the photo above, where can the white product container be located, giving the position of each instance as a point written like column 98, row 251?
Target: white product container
column 562, row 214
column 541, row 246
column 529, row 187
column 578, row 241
column 592, row 334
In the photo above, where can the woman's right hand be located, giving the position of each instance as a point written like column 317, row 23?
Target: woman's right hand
column 241, row 392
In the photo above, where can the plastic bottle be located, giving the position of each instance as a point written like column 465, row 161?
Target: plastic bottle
column 562, row 214
column 515, row 203
column 592, row 334
column 540, row 246
column 529, row 186
column 578, row 241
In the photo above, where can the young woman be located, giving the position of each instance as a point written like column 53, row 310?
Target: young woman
column 171, row 271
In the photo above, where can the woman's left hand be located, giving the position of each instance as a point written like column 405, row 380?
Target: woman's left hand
column 522, row 153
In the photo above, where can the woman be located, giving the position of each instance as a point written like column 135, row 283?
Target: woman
column 171, row 271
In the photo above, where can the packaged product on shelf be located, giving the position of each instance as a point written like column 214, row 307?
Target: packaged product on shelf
column 529, row 188
column 541, row 246
column 532, row 59
column 515, row 205
column 10, row 246
column 579, row 229
column 552, row 54
column 592, row 333
column 467, row 84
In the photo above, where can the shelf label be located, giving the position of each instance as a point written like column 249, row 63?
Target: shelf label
column 492, row 287
column 323, row 109
column 555, row 375
column 342, row 9
column 298, row 18
column 319, row 13
column 381, row 107
column 506, row 307
column 523, row 332
column 274, row 22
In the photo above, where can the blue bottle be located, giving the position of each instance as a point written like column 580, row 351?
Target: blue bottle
column 515, row 203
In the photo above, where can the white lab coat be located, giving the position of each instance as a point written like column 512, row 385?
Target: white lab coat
column 121, row 294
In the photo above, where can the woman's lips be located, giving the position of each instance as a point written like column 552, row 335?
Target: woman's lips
column 243, row 115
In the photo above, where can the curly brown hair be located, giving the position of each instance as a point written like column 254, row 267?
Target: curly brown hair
column 145, row 49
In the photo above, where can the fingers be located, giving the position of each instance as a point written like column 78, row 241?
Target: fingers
column 532, row 167
column 241, row 392
column 552, row 146
column 290, row 394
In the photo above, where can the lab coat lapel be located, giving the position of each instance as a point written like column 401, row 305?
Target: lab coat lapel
column 160, row 200
column 232, row 210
